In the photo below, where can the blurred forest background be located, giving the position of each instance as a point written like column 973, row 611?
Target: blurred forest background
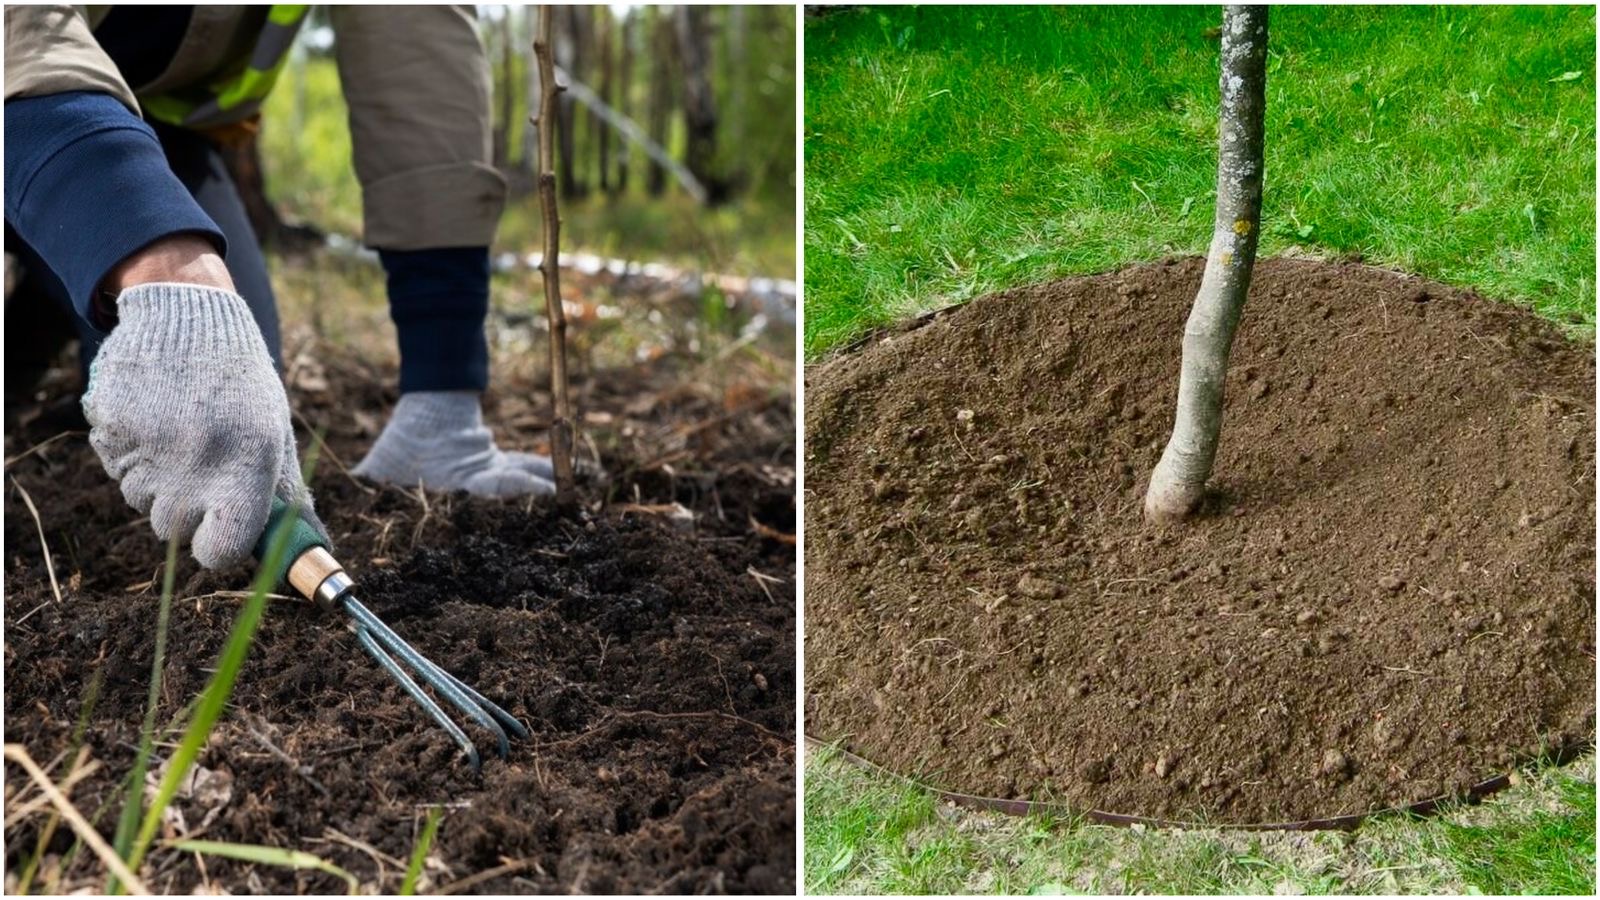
column 710, row 88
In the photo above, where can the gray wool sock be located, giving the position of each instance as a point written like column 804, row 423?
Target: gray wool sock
column 438, row 439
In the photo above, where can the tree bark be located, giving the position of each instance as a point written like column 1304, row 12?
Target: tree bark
column 529, row 163
column 507, row 96
column 629, row 131
column 661, row 96
column 602, row 134
column 739, row 78
column 1178, row 482
column 624, row 84
column 550, row 267
column 566, row 125
column 242, row 159
column 699, row 102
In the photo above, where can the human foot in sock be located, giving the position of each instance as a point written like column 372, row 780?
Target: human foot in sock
column 438, row 438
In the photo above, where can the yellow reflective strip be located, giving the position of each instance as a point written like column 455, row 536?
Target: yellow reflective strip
column 166, row 108
column 285, row 14
column 250, row 85
column 253, row 84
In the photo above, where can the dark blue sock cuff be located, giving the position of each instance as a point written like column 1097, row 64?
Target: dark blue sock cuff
column 439, row 300
column 87, row 184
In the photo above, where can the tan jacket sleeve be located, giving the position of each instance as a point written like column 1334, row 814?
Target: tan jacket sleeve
column 417, row 82
column 50, row 50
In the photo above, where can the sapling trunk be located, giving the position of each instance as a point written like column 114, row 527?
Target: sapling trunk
column 550, row 264
column 1179, row 479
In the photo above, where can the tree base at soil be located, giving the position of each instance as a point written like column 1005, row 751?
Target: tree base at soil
column 1388, row 594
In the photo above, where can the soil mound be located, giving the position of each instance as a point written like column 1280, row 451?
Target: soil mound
column 1389, row 596
column 655, row 671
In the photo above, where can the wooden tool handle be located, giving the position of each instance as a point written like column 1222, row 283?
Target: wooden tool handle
column 306, row 563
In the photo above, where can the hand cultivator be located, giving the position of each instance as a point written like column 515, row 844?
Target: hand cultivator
column 311, row 570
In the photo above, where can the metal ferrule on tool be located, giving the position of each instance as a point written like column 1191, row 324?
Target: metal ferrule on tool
column 316, row 575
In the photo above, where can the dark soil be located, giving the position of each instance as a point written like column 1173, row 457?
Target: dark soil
column 652, row 664
column 1390, row 595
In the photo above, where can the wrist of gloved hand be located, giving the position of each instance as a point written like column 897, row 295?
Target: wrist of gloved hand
column 187, row 412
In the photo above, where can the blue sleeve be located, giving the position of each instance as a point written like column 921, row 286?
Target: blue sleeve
column 87, row 184
column 439, row 300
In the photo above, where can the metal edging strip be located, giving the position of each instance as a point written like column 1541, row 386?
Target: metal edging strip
column 1347, row 822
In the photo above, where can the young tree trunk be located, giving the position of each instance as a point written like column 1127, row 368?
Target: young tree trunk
column 1179, row 479
column 699, row 102
column 550, row 267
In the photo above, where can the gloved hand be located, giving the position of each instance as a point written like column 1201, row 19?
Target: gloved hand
column 186, row 411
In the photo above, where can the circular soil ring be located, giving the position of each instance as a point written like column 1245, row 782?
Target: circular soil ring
column 1389, row 596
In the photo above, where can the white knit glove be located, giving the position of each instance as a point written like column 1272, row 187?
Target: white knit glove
column 186, row 411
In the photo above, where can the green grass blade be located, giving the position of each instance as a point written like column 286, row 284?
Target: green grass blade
column 216, row 694
column 1543, row 852
column 128, row 822
column 218, row 691
column 419, row 853
column 267, row 856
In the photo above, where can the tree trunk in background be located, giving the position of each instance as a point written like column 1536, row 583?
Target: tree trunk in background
column 624, row 84
column 568, row 57
column 699, row 101
column 243, row 162
column 506, row 91
column 587, row 61
column 739, row 78
column 604, row 28
column 530, row 131
column 1179, row 479
column 661, row 97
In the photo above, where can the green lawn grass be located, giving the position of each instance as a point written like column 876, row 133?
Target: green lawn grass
column 954, row 151
column 868, row 834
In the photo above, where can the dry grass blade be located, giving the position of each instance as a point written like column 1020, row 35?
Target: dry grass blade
column 427, row 513
column 456, row 887
column 770, row 533
column 236, row 595
column 40, row 446
column 49, row 564
column 19, row 755
column 324, row 449
column 82, row 768
column 382, row 859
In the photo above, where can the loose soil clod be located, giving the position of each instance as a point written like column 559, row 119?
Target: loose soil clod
column 1389, row 595
column 655, row 671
